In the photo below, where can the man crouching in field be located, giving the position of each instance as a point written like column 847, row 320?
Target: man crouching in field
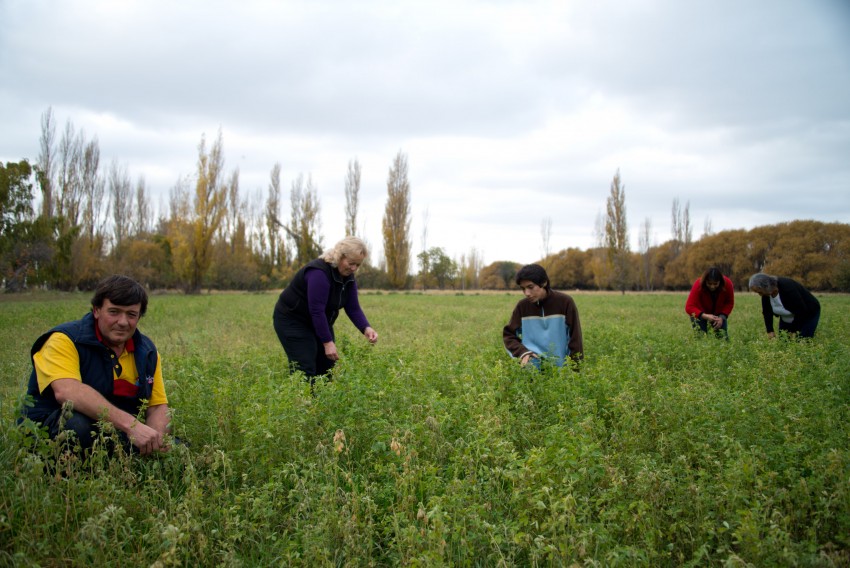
column 101, row 368
column 543, row 325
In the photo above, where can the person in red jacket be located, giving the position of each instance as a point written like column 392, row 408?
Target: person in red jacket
column 710, row 302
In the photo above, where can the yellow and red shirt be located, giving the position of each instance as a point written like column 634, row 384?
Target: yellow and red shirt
column 58, row 359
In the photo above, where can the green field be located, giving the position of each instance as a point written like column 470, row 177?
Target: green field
column 434, row 449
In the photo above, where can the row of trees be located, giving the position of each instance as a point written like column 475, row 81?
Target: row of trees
column 815, row 253
column 93, row 220
column 811, row 252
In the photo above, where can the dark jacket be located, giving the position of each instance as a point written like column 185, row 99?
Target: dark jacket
column 796, row 300
column 96, row 367
column 293, row 300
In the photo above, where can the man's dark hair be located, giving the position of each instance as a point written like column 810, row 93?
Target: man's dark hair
column 535, row 273
column 121, row 291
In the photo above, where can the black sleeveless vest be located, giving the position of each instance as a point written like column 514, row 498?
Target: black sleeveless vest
column 293, row 300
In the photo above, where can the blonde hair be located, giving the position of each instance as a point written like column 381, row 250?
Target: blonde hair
column 349, row 247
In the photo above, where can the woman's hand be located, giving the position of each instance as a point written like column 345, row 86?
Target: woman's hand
column 371, row 335
column 330, row 351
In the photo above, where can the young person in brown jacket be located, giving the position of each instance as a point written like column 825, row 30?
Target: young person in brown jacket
column 543, row 325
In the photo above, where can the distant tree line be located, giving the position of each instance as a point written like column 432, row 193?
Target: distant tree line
column 67, row 220
column 815, row 253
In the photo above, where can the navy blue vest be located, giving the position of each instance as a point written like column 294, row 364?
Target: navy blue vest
column 293, row 299
column 96, row 367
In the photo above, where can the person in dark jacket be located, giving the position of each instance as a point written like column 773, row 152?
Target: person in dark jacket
column 101, row 368
column 798, row 310
column 710, row 302
column 307, row 308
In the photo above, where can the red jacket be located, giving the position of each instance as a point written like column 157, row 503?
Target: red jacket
column 704, row 302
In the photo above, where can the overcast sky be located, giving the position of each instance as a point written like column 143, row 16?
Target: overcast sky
column 510, row 112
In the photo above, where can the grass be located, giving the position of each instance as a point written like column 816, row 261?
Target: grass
column 434, row 448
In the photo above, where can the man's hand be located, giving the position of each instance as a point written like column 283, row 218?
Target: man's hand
column 91, row 403
column 527, row 357
column 146, row 439
column 159, row 418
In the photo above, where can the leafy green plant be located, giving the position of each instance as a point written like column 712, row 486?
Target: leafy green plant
column 433, row 447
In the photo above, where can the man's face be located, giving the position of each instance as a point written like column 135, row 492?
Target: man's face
column 117, row 323
column 532, row 291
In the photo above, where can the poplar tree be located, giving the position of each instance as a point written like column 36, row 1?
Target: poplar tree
column 617, row 235
column 277, row 252
column 546, row 234
column 681, row 226
column 69, row 177
column 121, row 198
column 396, row 223
column 352, row 193
column 142, row 213
column 47, row 162
column 470, row 269
column 305, row 223
column 645, row 246
column 92, row 186
column 178, row 230
column 210, row 207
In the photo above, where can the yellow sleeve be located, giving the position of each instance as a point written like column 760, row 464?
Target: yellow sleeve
column 57, row 359
column 158, row 390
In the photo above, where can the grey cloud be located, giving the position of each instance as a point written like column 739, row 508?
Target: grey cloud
column 743, row 105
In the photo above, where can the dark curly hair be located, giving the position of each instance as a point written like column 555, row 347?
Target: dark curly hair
column 535, row 273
